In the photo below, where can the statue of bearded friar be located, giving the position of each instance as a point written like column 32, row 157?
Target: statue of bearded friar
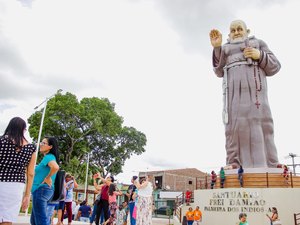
column 244, row 63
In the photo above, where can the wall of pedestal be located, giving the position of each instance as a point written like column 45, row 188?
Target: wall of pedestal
column 222, row 206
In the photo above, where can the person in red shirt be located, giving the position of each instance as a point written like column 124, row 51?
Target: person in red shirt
column 103, row 204
column 188, row 195
column 286, row 174
column 213, row 179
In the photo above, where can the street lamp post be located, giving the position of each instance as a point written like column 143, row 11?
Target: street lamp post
column 292, row 155
column 86, row 176
column 42, row 120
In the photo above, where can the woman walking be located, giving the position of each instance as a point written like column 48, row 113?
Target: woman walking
column 17, row 159
column 43, row 183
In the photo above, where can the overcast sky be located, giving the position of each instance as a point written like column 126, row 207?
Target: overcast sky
column 152, row 58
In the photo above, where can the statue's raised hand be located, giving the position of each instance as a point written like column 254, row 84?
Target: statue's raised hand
column 215, row 38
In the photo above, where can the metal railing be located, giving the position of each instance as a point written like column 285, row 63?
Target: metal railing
column 180, row 200
column 253, row 180
column 297, row 218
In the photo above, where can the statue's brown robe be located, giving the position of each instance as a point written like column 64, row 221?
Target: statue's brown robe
column 249, row 132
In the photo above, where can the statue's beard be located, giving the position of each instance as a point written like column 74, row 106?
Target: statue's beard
column 237, row 40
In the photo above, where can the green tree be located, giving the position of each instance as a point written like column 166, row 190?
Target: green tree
column 88, row 126
column 110, row 152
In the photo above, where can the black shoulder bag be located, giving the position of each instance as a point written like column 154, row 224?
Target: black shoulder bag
column 59, row 186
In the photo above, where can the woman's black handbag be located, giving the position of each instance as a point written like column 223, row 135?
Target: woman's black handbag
column 59, row 186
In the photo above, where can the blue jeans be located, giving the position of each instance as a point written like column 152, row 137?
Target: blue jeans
column 40, row 199
column 92, row 218
column 131, row 207
column 84, row 219
column 50, row 210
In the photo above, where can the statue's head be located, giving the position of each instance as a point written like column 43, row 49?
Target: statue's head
column 238, row 31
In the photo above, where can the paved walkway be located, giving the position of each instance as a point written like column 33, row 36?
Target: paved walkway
column 24, row 220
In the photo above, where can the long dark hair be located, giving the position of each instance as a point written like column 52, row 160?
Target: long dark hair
column 15, row 131
column 112, row 188
column 275, row 209
column 54, row 150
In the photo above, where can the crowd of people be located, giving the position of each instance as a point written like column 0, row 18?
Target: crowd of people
column 21, row 178
column 82, row 211
column 106, row 209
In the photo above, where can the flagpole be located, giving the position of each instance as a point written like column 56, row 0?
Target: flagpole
column 86, row 176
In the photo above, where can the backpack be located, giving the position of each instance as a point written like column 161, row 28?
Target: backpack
column 59, row 186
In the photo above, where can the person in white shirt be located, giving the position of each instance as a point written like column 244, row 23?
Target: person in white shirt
column 70, row 185
column 75, row 208
column 144, row 201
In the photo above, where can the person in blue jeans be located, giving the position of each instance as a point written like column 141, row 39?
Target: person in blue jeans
column 240, row 175
column 43, row 182
column 130, row 192
column 92, row 217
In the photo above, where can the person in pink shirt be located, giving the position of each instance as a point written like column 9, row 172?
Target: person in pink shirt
column 112, row 200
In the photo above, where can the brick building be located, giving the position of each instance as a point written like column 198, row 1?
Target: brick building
column 175, row 180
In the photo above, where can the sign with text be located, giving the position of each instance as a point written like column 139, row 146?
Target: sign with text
column 222, row 206
column 237, row 201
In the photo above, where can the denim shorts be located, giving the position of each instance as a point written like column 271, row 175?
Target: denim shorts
column 60, row 205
